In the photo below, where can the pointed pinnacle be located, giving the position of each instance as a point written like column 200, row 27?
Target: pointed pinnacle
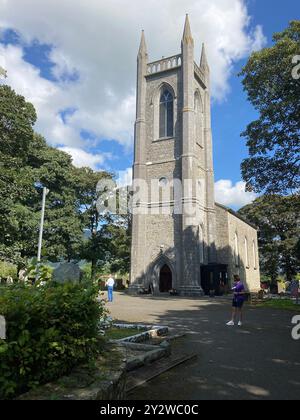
column 187, row 33
column 143, row 46
column 203, row 61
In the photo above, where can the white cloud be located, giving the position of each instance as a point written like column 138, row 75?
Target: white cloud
column 259, row 38
column 98, row 41
column 47, row 97
column 82, row 159
column 231, row 195
column 124, row 178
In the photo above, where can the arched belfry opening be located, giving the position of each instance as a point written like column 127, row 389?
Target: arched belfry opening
column 165, row 279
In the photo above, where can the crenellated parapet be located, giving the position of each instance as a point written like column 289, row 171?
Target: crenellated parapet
column 164, row 64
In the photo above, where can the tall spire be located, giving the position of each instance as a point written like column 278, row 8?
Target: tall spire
column 187, row 33
column 143, row 46
column 203, row 61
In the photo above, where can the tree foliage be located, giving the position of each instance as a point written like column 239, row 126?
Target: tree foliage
column 278, row 219
column 273, row 139
column 119, row 232
column 17, row 118
column 73, row 227
column 95, row 245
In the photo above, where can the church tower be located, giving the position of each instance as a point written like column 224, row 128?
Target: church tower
column 174, row 215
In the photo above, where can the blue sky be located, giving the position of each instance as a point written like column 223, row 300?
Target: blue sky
column 231, row 117
column 80, row 71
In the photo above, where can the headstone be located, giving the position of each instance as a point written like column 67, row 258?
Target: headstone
column 281, row 288
column 23, row 276
column 67, row 272
column 2, row 328
column 9, row 280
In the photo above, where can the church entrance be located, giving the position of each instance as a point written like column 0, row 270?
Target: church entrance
column 214, row 279
column 165, row 279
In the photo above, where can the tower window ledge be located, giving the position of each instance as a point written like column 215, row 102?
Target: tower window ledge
column 164, row 138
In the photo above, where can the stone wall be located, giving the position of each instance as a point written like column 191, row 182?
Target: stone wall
column 230, row 225
column 223, row 248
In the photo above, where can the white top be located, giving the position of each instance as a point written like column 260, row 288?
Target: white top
column 110, row 282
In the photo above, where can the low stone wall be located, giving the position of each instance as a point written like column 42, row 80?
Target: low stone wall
column 149, row 354
column 152, row 332
column 105, row 382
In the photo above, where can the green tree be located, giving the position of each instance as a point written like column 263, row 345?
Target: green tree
column 74, row 228
column 119, row 231
column 278, row 219
column 63, row 230
column 17, row 118
column 273, row 139
column 95, row 247
column 28, row 164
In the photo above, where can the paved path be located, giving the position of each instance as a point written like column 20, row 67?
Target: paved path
column 257, row 361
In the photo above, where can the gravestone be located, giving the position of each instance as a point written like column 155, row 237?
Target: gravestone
column 2, row 328
column 67, row 272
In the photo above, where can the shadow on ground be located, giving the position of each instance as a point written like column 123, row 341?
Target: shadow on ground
column 257, row 361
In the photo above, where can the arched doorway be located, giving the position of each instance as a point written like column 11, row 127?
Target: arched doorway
column 165, row 279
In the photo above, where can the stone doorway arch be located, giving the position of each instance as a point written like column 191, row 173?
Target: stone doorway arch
column 159, row 267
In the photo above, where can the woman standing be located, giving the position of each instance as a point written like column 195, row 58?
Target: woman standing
column 238, row 302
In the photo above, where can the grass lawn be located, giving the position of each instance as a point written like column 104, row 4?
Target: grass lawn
column 285, row 304
column 118, row 333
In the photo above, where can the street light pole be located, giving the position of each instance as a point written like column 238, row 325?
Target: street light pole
column 45, row 192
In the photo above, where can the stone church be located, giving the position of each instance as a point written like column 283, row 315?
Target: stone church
column 181, row 238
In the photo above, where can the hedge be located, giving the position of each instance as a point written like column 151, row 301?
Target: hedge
column 49, row 330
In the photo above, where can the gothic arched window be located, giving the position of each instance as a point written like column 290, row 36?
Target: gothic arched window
column 201, row 244
column 254, row 254
column 236, row 250
column 246, row 253
column 198, row 119
column 166, row 114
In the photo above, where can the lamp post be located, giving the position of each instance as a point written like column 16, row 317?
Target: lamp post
column 45, row 192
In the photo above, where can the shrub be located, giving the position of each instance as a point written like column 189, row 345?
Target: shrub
column 49, row 331
column 86, row 272
column 7, row 270
column 38, row 272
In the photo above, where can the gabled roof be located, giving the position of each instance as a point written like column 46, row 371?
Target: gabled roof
column 234, row 213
